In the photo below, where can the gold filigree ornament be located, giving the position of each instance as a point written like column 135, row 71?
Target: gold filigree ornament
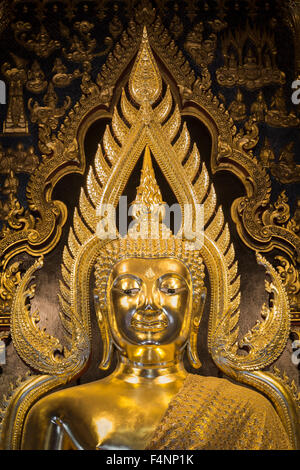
column 62, row 145
column 290, row 278
column 151, row 125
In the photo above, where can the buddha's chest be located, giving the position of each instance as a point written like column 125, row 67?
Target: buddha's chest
column 118, row 420
column 129, row 424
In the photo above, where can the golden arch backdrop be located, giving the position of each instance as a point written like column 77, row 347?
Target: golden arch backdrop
column 229, row 74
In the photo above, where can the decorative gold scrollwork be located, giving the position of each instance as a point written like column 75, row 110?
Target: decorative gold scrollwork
column 290, row 278
column 9, row 280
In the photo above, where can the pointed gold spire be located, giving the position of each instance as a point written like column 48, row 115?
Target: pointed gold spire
column 148, row 192
column 148, row 208
column 145, row 82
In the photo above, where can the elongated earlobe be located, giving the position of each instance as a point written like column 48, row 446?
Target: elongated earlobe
column 105, row 336
column 192, row 349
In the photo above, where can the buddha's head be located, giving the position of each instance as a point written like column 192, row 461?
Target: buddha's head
column 150, row 299
column 150, row 290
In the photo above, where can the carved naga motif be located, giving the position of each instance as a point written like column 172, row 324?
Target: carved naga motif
column 14, row 216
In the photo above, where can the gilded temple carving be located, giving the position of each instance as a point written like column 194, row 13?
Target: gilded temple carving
column 202, row 51
column 87, row 85
column 237, row 107
column 18, row 159
column 123, row 143
column 286, row 170
column 61, row 78
column 73, row 77
column 294, row 223
column 290, row 278
column 36, row 82
column 16, row 121
column 259, row 107
column 41, row 43
column 249, row 59
column 108, row 74
column 9, row 281
column 267, row 155
column 115, row 26
column 279, row 212
column 13, row 215
column 278, row 114
column 82, row 44
column 176, row 26
column 47, row 116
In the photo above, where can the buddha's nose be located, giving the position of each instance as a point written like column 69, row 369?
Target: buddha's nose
column 149, row 303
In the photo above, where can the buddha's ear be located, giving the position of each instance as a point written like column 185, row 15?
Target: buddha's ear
column 102, row 318
column 197, row 312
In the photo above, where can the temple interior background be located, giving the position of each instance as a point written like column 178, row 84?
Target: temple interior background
column 56, row 53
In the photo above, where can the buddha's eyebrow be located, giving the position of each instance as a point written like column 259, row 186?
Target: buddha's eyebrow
column 176, row 275
column 126, row 276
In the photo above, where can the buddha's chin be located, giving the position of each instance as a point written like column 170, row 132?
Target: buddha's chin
column 154, row 338
column 140, row 337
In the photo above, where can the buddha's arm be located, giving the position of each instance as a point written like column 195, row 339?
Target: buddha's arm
column 45, row 431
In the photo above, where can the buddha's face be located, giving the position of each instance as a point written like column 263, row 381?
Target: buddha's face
column 150, row 301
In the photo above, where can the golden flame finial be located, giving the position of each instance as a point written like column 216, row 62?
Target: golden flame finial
column 148, row 192
column 148, row 207
column 145, row 82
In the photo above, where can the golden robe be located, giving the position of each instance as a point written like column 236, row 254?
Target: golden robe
column 214, row 414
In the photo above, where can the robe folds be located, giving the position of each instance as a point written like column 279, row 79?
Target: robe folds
column 214, row 414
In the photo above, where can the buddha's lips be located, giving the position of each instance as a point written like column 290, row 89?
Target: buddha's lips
column 143, row 321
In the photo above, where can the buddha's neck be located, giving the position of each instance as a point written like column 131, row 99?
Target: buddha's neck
column 159, row 373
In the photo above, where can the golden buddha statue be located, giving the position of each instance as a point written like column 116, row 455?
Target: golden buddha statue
column 149, row 295
column 155, row 296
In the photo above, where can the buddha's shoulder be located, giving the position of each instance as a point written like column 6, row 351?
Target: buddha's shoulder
column 222, row 388
column 81, row 395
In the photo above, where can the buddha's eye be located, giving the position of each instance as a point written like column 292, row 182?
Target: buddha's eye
column 169, row 290
column 132, row 291
column 127, row 286
column 172, row 285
